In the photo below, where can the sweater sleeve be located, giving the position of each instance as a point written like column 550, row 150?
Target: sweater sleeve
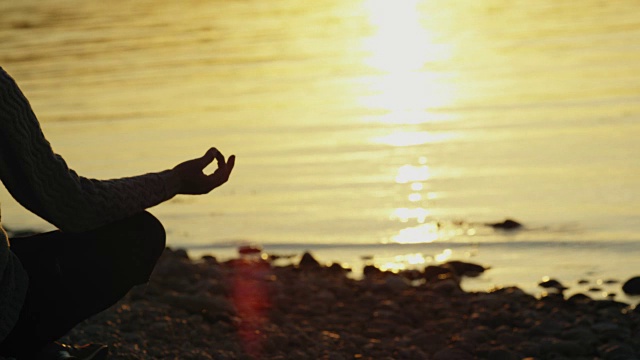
column 41, row 181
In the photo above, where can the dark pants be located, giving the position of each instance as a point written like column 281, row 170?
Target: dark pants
column 73, row 276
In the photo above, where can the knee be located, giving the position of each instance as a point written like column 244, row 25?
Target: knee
column 154, row 234
column 147, row 244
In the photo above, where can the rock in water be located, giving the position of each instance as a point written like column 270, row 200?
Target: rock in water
column 508, row 224
column 632, row 286
column 553, row 284
column 461, row 268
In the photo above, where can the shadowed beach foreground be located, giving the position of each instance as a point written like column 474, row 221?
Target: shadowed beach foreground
column 250, row 309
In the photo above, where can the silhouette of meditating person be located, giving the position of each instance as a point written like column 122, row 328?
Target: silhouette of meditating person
column 106, row 243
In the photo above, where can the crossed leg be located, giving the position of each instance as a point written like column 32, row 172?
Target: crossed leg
column 73, row 276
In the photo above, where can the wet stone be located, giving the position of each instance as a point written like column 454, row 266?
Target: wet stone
column 452, row 354
column 308, row 262
column 618, row 351
column 632, row 286
column 503, row 354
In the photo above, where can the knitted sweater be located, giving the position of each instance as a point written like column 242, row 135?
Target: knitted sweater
column 41, row 181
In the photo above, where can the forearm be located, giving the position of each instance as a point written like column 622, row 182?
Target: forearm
column 43, row 183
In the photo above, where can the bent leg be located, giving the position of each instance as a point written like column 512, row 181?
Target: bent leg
column 118, row 257
column 75, row 276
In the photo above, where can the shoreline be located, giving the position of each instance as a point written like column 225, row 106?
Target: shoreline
column 250, row 309
column 522, row 264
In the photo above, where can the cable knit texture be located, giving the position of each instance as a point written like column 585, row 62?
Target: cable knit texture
column 41, row 181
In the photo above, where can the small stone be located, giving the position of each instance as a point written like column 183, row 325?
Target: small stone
column 579, row 299
column 476, row 336
column 605, row 327
column 396, row 283
column 547, row 327
column 531, row 349
column 181, row 253
column 448, row 286
column 412, row 353
column 308, row 262
column 461, row 268
column 489, row 301
column 371, row 270
column 432, row 273
column 502, row 354
column 632, row 286
column 249, row 250
column 411, row 274
column 326, row 296
column 510, row 339
column 552, row 284
column 616, row 306
column 617, row 352
column 583, row 335
column 565, row 347
column 209, row 259
column 336, row 268
column 452, row 354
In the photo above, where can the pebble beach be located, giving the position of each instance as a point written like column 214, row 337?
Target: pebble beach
column 250, row 308
column 389, row 129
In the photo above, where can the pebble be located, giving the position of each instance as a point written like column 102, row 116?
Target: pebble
column 552, row 284
column 308, row 262
column 583, row 335
column 579, row 299
column 448, row 286
column 502, row 354
column 618, row 351
column 433, row 273
column 452, row 354
column 606, row 327
column 632, row 286
column 396, row 283
column 461, row 268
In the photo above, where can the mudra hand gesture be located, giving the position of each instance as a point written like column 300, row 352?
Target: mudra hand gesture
column 190, row 178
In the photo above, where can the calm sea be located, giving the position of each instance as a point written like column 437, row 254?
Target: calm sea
column 391, row 129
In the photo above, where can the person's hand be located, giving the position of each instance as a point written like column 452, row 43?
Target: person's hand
column 193, row 181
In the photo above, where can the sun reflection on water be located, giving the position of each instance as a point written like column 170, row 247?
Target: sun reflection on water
column 413, row 138
column 406, row 214
column 444, row 256
column 411, row 174
column 400, row 39
column 425, row 233
column 412, row 260
column 402, row 262
column 409, row 90
column 401, row 48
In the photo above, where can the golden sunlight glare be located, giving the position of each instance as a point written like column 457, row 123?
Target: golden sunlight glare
column 406, row 138
column 400, row 48
column 410, row 173
column 425, row 233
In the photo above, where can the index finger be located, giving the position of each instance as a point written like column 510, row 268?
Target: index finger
column 220, row 159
